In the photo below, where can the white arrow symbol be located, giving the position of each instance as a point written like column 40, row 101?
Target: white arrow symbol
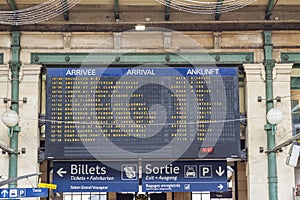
column 220, row 171
column 60, row 172
column 4, row 193
column 220, row 186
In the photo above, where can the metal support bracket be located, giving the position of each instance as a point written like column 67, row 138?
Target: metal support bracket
column 285, row 143
column 268, row 127
column 263, row 150
column 260, row 99
column 6, row 100
column 16, row 178
column 244, row 154
column 7, row 149
column 243, row 119
column 42, row 120
column 17, row 128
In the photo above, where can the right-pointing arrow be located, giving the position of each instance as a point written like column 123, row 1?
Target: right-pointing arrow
column 220, row 186
column 61, row 172
column 220, row 171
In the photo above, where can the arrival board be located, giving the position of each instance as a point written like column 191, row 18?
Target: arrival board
column 142, row 112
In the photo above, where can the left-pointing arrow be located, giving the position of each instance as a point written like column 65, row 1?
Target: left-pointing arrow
column 4, row 193
column 61, row 172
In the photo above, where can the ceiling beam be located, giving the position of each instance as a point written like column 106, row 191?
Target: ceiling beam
column 117, row 10
column 176, row 26
column 269, row 9
column 12, row 4
column 66, row 13
column 218, row 9
column 167, row 10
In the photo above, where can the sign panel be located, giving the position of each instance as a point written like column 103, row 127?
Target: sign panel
column 184, row 176
column 23, row 192
column 47, row 185
column 95, row 176
column 132, row 112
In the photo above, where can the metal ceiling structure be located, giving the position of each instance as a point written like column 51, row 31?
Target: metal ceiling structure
column 218, row 13
column 117, row 9
column 269, row 9
column 120, row 15
column 37, row 13
column 66, row 12
column 12, row 4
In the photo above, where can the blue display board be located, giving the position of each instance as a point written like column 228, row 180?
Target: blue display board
column 184, row 176
column 13, row 193
column 80, row 176
column 142, row 112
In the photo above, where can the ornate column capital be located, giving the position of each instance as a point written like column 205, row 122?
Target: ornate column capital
column 30, row 73
column 282, row 72
column 4, row 73
column 255, row 72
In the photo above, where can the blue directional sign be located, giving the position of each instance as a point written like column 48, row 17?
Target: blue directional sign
column 80, row 176
column 23, row 192
column 184, row 176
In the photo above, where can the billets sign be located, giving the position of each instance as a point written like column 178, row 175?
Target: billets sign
column 80, row 176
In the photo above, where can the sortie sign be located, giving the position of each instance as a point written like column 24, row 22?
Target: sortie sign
column 184, row 176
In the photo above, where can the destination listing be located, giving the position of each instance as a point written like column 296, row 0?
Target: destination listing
column 88, row 187
column 162, row 187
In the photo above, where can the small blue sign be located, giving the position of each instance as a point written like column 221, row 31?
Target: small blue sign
column 112, row 176
column 184, row 176
column 23, row 192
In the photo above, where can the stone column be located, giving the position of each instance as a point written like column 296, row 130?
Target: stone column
column 182, row 195
column 281, row 88
column 242, row 181
column 257, row 167
column 117, row 40
column 169, row 196
column 256, row 137
column 111, row 196
column 29, row 137
column 5, row 92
